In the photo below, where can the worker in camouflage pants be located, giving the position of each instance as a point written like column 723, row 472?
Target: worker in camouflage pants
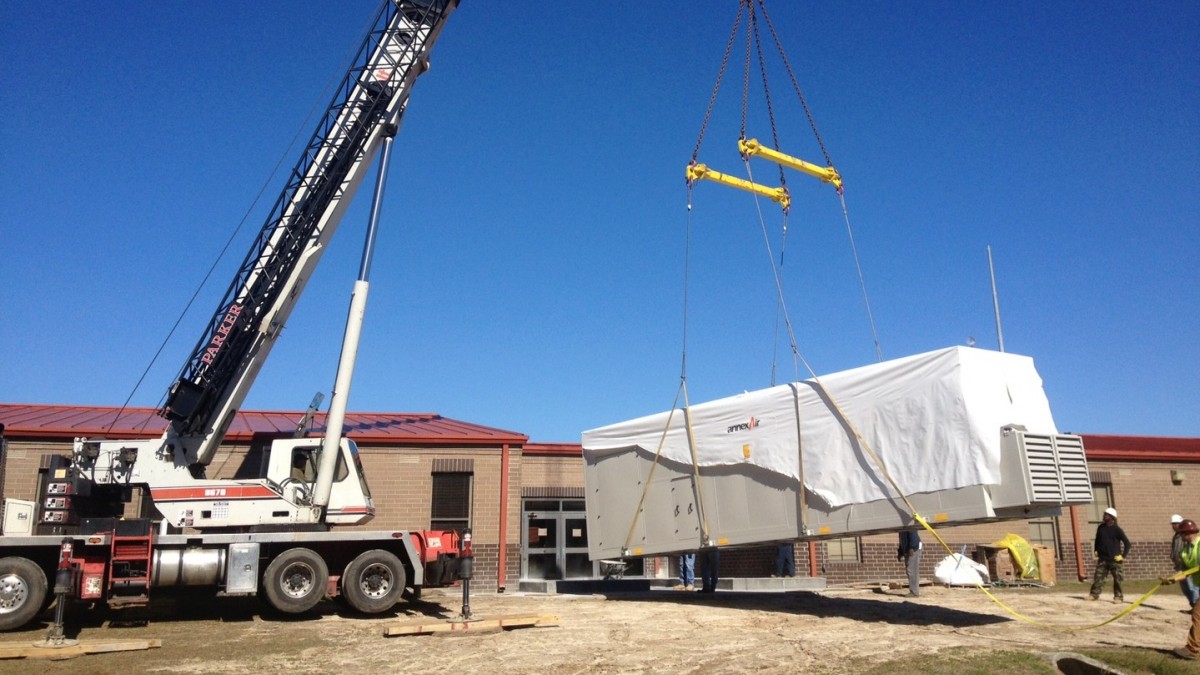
column 1111, row 548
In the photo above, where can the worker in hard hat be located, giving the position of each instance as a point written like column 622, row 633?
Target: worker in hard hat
column 1190, row 556
column 1190, row 590
column 1110, row 548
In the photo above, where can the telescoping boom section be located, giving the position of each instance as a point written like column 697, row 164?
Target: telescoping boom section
column 367, row 106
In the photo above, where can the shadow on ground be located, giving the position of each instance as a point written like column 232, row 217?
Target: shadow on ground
column 915, row 613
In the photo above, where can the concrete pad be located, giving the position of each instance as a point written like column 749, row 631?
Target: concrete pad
column 584, row 586
column 604, row 586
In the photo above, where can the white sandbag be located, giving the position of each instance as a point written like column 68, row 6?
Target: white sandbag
column 959, row 570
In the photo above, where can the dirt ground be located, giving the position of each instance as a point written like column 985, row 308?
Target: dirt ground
column 839, row 630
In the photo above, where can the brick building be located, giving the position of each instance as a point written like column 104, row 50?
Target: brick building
column 524, row 501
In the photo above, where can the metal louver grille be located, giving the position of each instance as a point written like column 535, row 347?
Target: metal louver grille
column 1043, row 469
column 1057, row 469
column 1077, row 485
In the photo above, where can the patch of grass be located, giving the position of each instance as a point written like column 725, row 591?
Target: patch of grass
column 1133, row 588
column 967, row 661
column 1139, row 661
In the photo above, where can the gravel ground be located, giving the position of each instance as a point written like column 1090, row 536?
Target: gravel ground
column 839, row 630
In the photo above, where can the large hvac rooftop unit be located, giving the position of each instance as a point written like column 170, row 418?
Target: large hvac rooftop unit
column 965, row 434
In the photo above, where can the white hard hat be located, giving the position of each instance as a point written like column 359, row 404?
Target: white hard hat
column 1110, row 511
column 1176, row 519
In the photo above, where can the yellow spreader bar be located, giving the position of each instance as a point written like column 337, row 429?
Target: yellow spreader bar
column 779, row 195
column 828, row 174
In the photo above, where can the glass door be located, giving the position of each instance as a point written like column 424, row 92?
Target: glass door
column 541, row 541
column 554, row 540
column 575, row 553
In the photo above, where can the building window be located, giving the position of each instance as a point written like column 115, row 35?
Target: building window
column 451, row 508
column 1102, row 498
column 842, row 550
column 1044, row 532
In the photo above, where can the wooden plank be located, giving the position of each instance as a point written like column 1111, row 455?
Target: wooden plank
column 477, row 626
column 26, row 650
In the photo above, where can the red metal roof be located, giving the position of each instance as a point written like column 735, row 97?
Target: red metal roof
column 67, row 421
column 1141, row 448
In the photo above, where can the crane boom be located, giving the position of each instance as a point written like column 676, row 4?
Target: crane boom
column 366, row 107
column 272, row 532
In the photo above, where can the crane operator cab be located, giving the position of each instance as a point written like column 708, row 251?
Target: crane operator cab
column 292, row 467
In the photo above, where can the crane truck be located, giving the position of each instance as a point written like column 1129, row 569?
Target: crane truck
column 277, row 535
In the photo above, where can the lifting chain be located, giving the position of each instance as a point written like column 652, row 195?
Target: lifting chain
column 712, row 99
column 795, row 84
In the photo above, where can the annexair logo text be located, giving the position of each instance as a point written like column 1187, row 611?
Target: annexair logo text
column 744, row 426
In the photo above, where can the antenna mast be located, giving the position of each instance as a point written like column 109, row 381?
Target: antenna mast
column 995, row 299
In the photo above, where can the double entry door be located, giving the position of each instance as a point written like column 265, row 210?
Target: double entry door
column 554, row 540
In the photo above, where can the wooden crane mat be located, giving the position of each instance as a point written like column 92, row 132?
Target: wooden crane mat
column 473, row 626
column 27, row 650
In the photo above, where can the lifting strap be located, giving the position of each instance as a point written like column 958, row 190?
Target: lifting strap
column 681, row 391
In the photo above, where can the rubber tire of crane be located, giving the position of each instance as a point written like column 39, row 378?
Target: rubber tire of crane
column 374, row 582
column 23, row 592
column 295, row 580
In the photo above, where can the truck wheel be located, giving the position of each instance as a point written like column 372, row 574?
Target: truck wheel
column 295, row 580
column 373, row 582
column 23, row 592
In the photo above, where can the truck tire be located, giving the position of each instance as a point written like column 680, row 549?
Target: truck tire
column 373, row 582
column 295, row 580
column 23, row 592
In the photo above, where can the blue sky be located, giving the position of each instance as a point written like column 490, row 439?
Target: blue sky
column 529, row 274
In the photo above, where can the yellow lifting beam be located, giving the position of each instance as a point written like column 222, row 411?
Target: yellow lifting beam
column 827, row 174
column 779, row 195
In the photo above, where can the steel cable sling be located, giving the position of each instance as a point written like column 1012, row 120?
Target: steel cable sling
column 698, row 171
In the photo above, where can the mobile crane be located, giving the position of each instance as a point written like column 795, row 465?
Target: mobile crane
column 275, row 534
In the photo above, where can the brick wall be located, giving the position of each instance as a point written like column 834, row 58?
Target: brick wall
column 402, row 486
column 751, row 562
column 486, row 567
column 877, row 562
column 21, row 466
column 543, row 471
